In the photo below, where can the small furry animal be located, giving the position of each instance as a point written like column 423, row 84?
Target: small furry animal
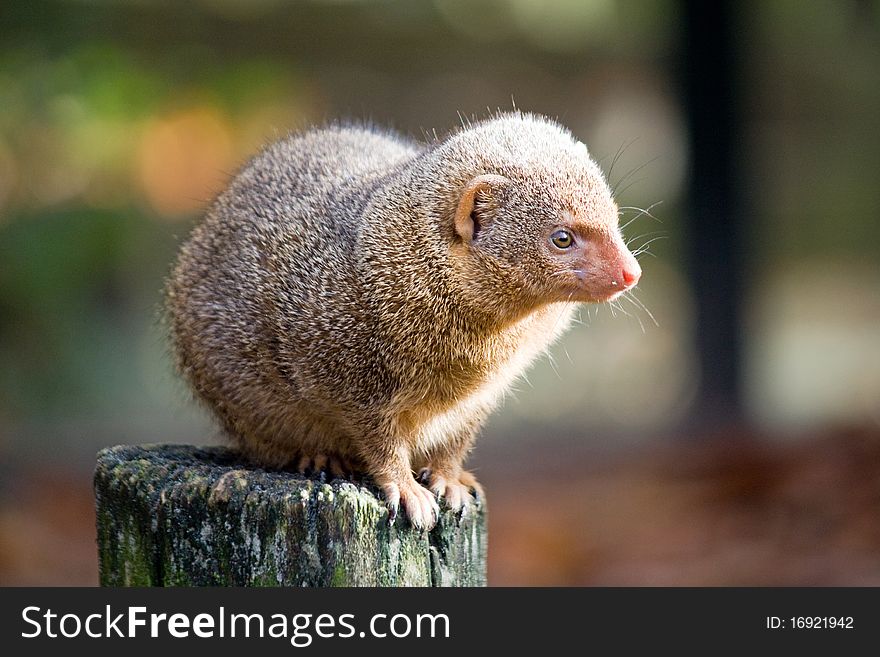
column 359, row 302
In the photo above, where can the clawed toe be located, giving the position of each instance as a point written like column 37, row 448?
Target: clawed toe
column 325, row 466
column 455, row 490
column 474, row 488
column 338, row 468
column 421, row 508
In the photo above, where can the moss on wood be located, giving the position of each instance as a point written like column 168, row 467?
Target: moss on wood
column 177, row 515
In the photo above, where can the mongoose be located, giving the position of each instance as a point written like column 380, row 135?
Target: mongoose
column 358, row 301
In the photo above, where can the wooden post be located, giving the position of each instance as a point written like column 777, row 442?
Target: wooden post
column 177, row 515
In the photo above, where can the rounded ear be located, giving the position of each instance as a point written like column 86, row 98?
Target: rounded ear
column 471, row 213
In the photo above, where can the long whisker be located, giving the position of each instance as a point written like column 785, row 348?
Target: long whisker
column 553, row 332
column 567, row 355
column 635, row 315
column 617, row 185
column 614, row 303
column 643, row 235
column 642, row 212
column 659, row 237
column 564, row 308
column 620, row 151
column 644, row 247
column 623, row 190
column 631, row 295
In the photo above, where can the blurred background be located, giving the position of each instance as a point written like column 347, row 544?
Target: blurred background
column 725, row 430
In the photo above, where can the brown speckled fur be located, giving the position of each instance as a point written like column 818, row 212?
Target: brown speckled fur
column 326, row 306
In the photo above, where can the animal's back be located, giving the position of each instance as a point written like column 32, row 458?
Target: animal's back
column 273, row 248
column 304, row 178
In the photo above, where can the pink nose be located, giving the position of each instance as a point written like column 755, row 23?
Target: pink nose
column 631, row 273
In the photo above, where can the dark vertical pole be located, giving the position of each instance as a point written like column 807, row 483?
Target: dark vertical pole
column 714, row 220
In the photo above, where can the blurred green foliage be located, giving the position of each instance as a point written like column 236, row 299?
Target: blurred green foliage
column 119, row 120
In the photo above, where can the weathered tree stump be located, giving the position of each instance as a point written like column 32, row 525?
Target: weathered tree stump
column 176, row 515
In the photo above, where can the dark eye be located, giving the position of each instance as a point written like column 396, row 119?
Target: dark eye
column 562, row 239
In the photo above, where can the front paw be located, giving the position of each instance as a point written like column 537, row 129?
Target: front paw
column 420, row 506
column 455, row 489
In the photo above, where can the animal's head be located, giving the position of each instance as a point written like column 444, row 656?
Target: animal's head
column 534, row 214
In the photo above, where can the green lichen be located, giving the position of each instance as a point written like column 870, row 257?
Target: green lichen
column 174, row 515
